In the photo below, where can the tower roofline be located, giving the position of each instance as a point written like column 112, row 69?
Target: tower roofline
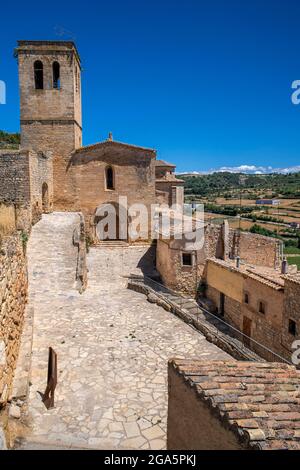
column 55, row 46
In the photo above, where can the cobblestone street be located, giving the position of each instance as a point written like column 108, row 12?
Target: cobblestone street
column 112, row 346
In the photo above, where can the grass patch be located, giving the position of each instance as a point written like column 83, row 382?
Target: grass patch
column 294, row 260
column 291, row 250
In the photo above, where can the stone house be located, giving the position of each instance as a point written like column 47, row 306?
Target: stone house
column 238, row 277
column 257, row 301
column 169, row 189
column 181, row 267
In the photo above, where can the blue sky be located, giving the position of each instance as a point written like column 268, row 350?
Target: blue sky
column 207, row 83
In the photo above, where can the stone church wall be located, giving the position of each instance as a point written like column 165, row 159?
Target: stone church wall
column 60, row 139
column 134, row 179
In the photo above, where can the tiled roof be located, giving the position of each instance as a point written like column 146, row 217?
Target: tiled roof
column 267, row 276
column 293, row 278
column 169, row 178
column 164, row 163
column 112, row 143
column 259, row 402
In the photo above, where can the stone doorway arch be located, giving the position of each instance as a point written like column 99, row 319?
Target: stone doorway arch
column 113, row 218
column 45, row 198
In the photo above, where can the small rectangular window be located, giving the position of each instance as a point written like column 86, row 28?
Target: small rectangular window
column 246, row 298
column 292, row 328
column 262, row 307
column 187, row 259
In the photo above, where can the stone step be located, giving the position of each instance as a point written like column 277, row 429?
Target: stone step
column 172, row 297
column 194, row 310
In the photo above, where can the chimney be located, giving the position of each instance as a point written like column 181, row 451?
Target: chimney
column 284, row 266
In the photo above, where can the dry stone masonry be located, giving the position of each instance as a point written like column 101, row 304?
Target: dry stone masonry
column 13, row 296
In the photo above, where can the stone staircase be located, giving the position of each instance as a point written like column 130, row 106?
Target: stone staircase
column 214, row 329
column 112, row 244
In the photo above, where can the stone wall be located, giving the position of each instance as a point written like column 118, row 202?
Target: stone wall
column 13, row 297
column 41, row 184
column 232, row 312
column 291, row 311
column 14, row 177
column 22, row 175
column 59, row 138
column 250, row 247
column 259, row 250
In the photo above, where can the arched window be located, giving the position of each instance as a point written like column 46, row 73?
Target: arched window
column 38, row 75
column 109, row 178
column 56, row 75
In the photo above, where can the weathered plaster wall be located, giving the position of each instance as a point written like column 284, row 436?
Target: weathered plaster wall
column 225, row 280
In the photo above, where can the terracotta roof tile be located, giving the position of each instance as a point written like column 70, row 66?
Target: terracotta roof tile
column 164, row 163
column 259, row 402
column 112, row 143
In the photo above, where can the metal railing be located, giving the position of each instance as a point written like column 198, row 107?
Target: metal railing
column 242, row 341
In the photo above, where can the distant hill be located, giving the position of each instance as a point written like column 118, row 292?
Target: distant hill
column 9, row 140
column 227, row 184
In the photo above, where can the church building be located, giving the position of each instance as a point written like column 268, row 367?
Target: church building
column 84, row 177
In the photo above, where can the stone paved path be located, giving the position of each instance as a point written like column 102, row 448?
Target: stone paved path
column 112, row 347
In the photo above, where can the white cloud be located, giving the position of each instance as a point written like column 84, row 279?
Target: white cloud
column 247, row 169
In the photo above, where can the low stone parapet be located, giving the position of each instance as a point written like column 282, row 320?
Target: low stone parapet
column 171, row 303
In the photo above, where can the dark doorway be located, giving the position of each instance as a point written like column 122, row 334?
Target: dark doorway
column 222, row 304
column 45, row 198
column 116, row 215
column 247, row 325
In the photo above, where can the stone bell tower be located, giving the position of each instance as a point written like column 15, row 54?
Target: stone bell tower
column 50, row 107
